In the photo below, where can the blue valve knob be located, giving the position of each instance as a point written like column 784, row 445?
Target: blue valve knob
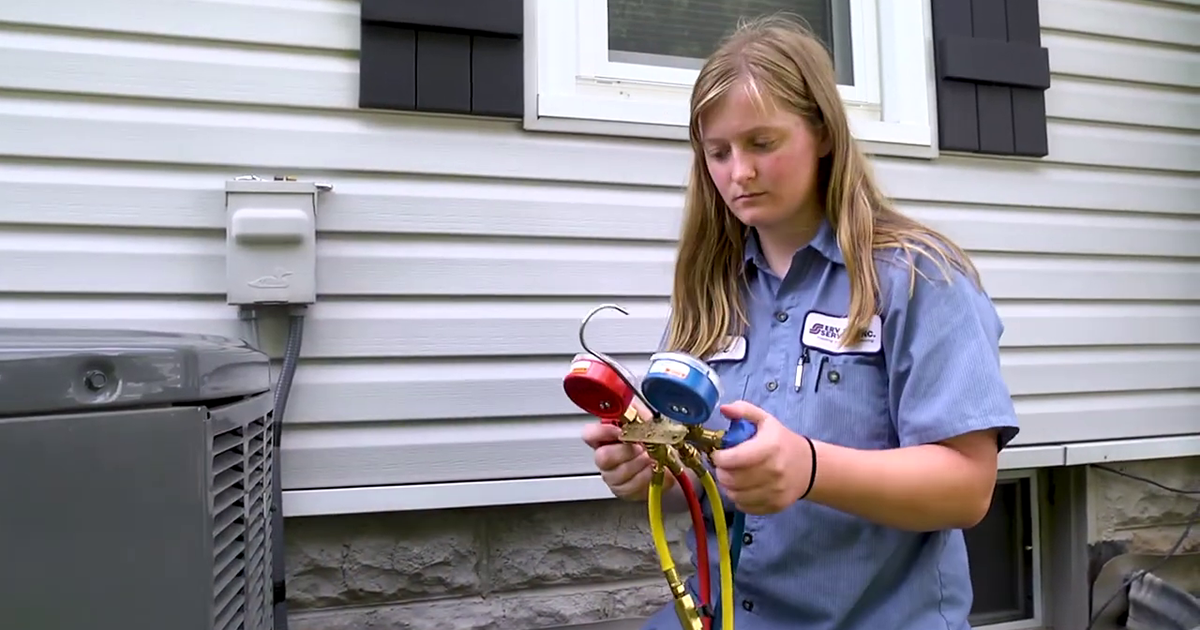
column 739, row 431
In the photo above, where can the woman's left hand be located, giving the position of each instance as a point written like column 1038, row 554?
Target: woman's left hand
column 768, row 472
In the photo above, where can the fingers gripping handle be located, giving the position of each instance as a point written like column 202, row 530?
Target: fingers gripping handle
column 738, row 432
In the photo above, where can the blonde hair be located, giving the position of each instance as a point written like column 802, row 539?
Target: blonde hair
column 780, row 57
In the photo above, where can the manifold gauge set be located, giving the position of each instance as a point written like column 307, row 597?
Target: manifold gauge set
column 666, row 416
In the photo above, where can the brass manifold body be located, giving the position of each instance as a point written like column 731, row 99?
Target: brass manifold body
column 659, row 431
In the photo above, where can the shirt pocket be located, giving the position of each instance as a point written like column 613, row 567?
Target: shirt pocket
column 846, row 401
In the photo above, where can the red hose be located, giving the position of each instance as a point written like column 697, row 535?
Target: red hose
column 689, row 491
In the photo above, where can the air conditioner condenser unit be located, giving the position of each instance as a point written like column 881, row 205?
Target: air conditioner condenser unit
column 135, row 482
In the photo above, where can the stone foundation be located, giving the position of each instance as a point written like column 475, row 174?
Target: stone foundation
column 516, row 568
column 1130, row 516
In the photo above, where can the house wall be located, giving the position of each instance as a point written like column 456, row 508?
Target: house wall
column 456, row 257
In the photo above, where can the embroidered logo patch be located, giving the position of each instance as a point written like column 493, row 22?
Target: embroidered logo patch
column 823, row 332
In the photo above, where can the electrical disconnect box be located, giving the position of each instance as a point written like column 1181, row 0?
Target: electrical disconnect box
column 271, row 240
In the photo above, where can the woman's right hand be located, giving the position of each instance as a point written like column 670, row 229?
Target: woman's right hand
column 625, row 468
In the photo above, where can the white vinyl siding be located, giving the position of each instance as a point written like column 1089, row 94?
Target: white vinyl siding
column 456, row 256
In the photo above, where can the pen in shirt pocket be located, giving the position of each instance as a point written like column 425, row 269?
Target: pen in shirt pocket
column 800, row 368
column 820, row 373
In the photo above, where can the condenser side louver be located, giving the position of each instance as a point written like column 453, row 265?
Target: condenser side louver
column 135, row 482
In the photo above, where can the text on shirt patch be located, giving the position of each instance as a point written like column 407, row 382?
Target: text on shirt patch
column 823, row 332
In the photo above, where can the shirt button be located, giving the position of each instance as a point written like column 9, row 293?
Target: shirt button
column 771, row 385
column 748, row 605
column 747, row 539
column 781, row 316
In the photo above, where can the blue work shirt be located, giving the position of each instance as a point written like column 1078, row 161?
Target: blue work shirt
column 930, row 371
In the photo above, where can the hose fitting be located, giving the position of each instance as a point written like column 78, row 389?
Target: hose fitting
column 685, row 606
column 666, row 457
column 707, row 440
column 690, row 457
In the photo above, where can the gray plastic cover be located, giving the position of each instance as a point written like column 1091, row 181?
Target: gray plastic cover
column 46, row 371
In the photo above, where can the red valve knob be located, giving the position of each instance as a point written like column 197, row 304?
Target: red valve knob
column 597, row 388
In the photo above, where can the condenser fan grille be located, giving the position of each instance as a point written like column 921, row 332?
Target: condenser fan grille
column 259, row 524
column 229, row 529
column 241, row 465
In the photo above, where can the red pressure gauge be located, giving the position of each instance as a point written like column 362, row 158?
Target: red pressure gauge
column 597, row 388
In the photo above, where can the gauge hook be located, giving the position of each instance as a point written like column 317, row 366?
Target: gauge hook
column 586, row 320
column 604, row 358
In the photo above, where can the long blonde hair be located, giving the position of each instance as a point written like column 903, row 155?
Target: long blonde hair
column 779, row 57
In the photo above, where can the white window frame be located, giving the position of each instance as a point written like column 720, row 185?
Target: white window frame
column 573, row 87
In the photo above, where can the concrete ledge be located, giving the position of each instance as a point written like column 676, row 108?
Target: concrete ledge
column 1132, row 450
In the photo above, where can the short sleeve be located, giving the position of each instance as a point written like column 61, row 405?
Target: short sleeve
column 943, row 348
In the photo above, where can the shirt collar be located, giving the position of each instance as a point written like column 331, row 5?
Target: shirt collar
column 824, row 242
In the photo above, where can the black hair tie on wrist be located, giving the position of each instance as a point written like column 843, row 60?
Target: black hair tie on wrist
column 812, row 477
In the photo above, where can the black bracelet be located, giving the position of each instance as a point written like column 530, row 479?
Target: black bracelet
column 812, row 477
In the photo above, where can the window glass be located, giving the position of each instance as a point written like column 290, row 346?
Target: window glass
column 680, row 33
column 1001, row 555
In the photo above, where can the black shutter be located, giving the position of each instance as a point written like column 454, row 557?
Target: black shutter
column 445, row 56
column 992, row 74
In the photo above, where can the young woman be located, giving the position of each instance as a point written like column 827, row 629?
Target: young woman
column 855, row 338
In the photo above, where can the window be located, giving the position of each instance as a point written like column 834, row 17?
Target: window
column 627, row 67
column 1004, row 556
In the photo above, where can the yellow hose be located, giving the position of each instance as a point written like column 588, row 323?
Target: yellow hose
column 723, row 553
column 685, row 606
column 657, row 530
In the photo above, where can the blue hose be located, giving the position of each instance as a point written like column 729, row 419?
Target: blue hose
column 737, row 530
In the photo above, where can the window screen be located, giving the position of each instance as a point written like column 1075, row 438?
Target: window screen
column 681, row 33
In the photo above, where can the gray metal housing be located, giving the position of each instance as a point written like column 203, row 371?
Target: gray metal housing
column 135, row 481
